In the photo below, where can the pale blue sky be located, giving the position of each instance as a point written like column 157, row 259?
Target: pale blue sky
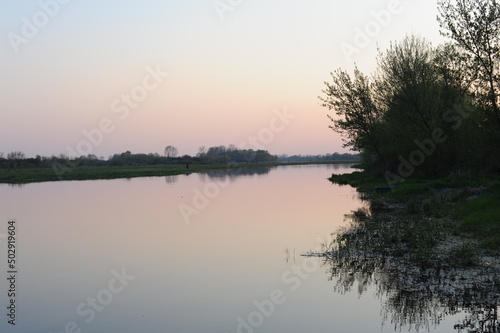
column 225, row 77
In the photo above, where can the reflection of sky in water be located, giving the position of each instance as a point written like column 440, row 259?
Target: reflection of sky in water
column 197, row 277
column 414, row 297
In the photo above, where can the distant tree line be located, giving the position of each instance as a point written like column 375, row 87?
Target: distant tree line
column 232, row 154
column 18, row 160
column 319, row 158
column 428, row 111
column 212, row 155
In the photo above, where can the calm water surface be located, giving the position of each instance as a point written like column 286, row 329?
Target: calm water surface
column 212, row 252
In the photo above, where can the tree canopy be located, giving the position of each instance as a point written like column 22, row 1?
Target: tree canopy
column 426, row 110
column 474, row 26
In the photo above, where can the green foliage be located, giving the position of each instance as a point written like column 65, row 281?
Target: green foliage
column 415, row 220
column 319, row 158
column 425, row 111
column 357, row 178
column 352, row 99
column 79, row 172
column 214, row 155
column 409, row 190
column 480, row 217
column 231, row 154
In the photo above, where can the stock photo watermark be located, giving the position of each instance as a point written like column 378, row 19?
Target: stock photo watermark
column 122, row 106
column 292, row 279
column 222, row 7
column 201, row 197
column 364, row 36
column 426, row 147
column 12, row 271
column 31, row 26
column 89, row 308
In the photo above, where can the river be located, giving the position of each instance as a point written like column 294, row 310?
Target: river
column 208, row 252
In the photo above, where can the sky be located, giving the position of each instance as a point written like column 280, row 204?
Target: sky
column 83, row 77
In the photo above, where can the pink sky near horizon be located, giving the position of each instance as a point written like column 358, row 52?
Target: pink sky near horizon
column 226, row 77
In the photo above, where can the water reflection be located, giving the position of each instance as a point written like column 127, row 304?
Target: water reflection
column 137, row 225
column 171, row 179
column 14, row 185
column 237, row 172
column 232, row 174
column 413, row 297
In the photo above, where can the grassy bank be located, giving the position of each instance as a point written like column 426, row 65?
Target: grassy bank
column 22, row 176
column 428, row 212
column 431, row 246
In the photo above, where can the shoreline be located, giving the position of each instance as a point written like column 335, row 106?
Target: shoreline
column 37, row 175
column 448, row 208
column 411, row 244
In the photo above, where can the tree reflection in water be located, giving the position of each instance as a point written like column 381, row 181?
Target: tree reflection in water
column 233, row 174
column 414, row 297
column 171, row 179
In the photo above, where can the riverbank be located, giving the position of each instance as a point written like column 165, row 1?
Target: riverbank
column 465, row 206
column 431, row 246
column 24, row 176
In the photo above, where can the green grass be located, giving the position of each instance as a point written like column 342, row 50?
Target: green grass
column 83, row 173
column 480, row 217
column 409, row 190
column 357, row 179
column 448, row 199
column 22, row 176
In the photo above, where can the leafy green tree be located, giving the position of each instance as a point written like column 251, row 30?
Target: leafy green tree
column 416, row 85
column 415, row 114
column 357, row 114
column 406, row 83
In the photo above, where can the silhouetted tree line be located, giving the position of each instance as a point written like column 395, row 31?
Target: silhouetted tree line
column 212, row 155
column 319, row 158
column 428, row 111
column 232, row 154
column 18, row 160
column 129, row 159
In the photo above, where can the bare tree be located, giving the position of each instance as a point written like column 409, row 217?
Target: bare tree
column 475, row 26
column 16, row 155
column 171, row 151
column 202, row 151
